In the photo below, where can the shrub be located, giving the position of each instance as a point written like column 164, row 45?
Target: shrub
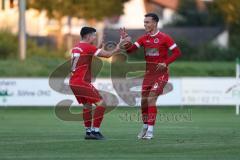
column 206, row 52
column 8, row 44
column 9, row 48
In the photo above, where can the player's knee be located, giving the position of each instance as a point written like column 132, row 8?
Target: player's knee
column 87, row 106
column 144, row 102
column 101, row 103
column 152, row 101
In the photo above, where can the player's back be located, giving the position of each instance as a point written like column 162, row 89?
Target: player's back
column 82, row 54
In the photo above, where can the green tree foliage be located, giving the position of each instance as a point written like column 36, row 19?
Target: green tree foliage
column 87, row 9
column 188, row 14
column 217, row 13
column 8, row 44
column 230, row 10
column 91, row 10
column 9, row 47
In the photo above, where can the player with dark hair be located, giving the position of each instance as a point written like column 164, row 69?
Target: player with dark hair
column 156, row 46
column 80, row 81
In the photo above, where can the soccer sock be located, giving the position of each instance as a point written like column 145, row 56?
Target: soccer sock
column 145, row 114
column 96, row 129
column 98, row 116
column 150, row 128
column 152, row 113
column 87, row 117
column 88, row 129
column 145, row 126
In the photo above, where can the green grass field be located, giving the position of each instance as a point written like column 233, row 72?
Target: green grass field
column 36, row 133
column 43, row 67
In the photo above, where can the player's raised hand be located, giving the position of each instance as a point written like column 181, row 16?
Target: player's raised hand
column 121, row 41
column 128, row 39
column 101, row 42
column 123, row 33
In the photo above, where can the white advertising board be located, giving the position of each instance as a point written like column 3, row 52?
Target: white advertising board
column 186, row 91
column 27, row 92
column 210, row 91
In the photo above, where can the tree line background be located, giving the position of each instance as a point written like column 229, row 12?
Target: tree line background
column 224, row 13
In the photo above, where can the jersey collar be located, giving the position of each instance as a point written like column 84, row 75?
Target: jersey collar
column 152, row 35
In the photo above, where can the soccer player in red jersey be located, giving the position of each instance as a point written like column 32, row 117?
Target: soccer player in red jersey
column 156, row 46
column 80, row 81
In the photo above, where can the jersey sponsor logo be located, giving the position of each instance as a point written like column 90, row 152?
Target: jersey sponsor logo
column 156, row 40
column 152, row 52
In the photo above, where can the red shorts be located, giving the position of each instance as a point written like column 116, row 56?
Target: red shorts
column 84, row 92
column 154, row 84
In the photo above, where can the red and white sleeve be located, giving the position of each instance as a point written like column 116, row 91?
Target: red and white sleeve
column 76, row 53
column 171, row 45
column 136, row 45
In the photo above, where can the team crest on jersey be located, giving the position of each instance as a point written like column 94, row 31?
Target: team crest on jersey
column 156, row 40
column 155, row 86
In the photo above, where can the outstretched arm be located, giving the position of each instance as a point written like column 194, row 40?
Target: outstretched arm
column 107, row 54
column 127, row 44
column 131, row 48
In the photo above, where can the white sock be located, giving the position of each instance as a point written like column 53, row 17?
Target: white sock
column 150, row 128
column 96, row 129
column 88, row 129
column 145, row 126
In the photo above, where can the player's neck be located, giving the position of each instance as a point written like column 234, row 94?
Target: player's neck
column 154, row 32
column 84, row 41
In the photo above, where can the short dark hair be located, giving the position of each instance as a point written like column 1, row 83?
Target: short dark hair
column 153, row 15
column 87, row 30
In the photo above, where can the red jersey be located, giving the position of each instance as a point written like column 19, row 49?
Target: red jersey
column 156, row 49
column 82, row 55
